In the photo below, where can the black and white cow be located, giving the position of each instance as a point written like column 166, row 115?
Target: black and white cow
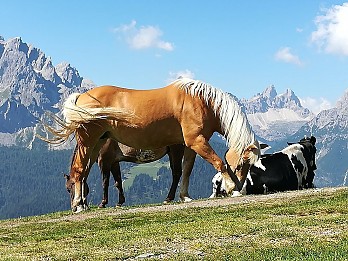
column 289, row 169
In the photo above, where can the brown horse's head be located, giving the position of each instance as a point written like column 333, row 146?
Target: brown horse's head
column 70, row 187
column 238, row 166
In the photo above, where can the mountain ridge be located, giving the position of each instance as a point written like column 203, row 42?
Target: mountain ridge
column 275, row 116
column 31, row 85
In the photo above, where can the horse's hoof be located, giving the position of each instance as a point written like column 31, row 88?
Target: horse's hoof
column 78, row 209
column 186, row 199
column 236, row 194
column 101, row 206
column 118, row 205
column 167, row 201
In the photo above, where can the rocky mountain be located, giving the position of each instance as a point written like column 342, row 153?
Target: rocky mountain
column 29, row 85
column 275, row 116
column 330, row 127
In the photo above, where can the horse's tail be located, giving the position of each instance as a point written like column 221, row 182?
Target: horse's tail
column 75, row 116
column 79, row 114
column 59, row 133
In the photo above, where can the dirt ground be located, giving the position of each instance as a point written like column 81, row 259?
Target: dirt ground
column 203, row 203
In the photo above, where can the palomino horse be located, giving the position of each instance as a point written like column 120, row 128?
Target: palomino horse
column 184, row 112
column 113, row 152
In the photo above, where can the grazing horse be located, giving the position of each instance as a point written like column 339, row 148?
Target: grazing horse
column 184, row 112
column 113, row 152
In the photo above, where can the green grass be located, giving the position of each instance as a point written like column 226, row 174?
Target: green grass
column 148, row 168
column 308, row 227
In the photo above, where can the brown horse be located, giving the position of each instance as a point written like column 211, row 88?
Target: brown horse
column 113, row 152
column 184, row 112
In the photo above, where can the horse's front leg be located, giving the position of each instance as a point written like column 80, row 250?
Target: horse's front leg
column 202, row 147
column 85, row 192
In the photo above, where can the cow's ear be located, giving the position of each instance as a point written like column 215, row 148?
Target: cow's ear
column 263, row 146
column 313, row 140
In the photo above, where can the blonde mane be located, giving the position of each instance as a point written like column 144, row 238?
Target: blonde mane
column 234, row 123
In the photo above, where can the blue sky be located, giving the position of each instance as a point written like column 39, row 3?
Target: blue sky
column 238, row 46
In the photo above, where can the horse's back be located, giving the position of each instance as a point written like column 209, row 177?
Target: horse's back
column 139, row 101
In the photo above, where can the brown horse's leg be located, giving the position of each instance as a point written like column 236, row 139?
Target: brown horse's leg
column 79, row 173
column 105, row 169
column 84, row 159
column 201, row 145
column 189, row 160
column 116, row 173
column 176, row 152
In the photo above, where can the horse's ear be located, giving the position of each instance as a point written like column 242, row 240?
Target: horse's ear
column 67, row 177
column 250, row 151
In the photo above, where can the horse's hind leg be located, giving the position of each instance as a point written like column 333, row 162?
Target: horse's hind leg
column 175, row 153
column 116, row 173
column 189, row 160
column 105, row 171
column 86, row 154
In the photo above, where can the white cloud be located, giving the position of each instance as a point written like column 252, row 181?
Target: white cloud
column 175, row 75
column 285, row 55
column 331, row 35
column 143, row 37
column 316, row 105
column 299, row 30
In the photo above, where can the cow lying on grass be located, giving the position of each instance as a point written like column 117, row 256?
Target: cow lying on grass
column 289, row 169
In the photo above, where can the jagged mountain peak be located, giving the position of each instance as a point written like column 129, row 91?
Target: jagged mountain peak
column 68, row 74
column 334, row 120
column 342, row 103
column 274, row 116
column 270, row 92
column 270, row 99
column 30, row 84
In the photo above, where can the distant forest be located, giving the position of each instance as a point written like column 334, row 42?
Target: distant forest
column 32, row 182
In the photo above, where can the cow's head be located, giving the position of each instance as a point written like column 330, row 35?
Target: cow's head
column 309, row 150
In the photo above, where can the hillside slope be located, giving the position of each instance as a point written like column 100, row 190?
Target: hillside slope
column 299, row 225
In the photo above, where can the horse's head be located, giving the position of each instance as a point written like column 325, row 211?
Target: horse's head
column 70, row 187
column 238, row 166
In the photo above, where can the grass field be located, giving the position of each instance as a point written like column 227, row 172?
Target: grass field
column 305, row 225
